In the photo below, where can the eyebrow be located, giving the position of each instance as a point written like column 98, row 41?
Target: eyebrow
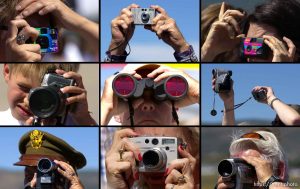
column 24, row 85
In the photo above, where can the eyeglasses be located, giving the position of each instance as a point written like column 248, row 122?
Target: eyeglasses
column 253, row 136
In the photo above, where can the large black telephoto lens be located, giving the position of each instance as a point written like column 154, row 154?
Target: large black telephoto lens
column 46, row 102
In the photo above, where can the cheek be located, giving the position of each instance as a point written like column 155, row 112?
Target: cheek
column 15, row 96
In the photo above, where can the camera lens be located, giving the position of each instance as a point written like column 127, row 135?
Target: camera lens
column 155, row 141
column 43, row 41
column 145, row 17
column 225, row 168
column 248, row 48
column 45, row 102
column 45, row 165
column 176, row 87
column 124, row 85
column 151, row 158
column 43, row 31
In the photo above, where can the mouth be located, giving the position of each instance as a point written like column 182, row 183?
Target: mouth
column 24, row 111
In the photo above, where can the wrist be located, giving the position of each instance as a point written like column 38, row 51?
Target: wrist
column 182, row 47
column 206, row 53
column 119, row 51
column 106, row 113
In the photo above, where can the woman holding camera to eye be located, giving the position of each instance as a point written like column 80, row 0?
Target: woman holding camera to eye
column 275, row 21
column 19, row 18
column 122, row 160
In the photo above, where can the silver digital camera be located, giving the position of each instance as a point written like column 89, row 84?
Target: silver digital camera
column 143, row 16
column 157, row 152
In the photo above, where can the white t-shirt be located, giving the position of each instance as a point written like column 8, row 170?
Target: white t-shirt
column 6, row 118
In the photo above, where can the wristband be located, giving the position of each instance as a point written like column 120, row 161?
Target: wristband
column 271, row 180
column 272, row 101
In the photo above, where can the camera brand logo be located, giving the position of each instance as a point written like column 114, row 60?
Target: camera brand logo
column 36, row 138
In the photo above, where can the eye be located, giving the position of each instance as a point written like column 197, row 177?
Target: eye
column 24, row 88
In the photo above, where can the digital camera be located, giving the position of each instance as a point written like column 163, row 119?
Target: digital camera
column 260, row 95
column 157, row 152
column 254, row 47
column 47, row 39
column 46, row 173
column 126, row 86
column 143, row 16
column 48, row 101
column 223, row 80
column 239, row 172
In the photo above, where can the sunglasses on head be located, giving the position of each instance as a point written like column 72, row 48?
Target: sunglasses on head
column 253, row 136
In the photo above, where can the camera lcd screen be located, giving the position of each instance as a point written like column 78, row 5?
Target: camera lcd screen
column 168, row 141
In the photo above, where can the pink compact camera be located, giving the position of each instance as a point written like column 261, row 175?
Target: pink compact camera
column 254, row 47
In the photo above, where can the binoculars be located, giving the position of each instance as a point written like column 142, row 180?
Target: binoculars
column 126, row 86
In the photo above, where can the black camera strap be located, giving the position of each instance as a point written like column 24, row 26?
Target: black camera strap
column 174, row 113
column 131, row 112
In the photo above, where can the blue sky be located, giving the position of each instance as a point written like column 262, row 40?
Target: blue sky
column 283, row 78
column 85, row 140
column 185, row 12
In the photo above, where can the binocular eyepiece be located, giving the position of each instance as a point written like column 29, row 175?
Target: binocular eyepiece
column 126, row 86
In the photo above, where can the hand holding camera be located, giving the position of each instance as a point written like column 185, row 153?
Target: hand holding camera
column 16, row 50
column 263, row 94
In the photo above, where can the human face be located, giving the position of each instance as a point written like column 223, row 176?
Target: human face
column 151, row 112
column 257, row 31
column 17, row 93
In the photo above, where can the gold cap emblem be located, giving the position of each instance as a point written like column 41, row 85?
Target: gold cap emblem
column 36, row 139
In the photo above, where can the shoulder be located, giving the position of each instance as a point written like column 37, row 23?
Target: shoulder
column 6, row 118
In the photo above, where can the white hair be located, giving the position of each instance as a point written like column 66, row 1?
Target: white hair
column 270, row 149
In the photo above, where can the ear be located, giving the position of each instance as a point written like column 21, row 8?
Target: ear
column 6, row 72
column 282, row 170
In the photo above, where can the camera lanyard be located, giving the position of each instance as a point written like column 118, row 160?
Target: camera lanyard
column 214, row 112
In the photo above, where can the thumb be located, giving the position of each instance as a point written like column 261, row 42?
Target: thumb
column 33, row 181
column 29, row 121
column 241, row 36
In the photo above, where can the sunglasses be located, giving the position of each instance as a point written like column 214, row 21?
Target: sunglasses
column 253, row 136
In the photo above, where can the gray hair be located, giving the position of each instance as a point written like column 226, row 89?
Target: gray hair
column 270, row 149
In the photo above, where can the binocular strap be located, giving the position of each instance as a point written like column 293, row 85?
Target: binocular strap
column 174, row 113
column 131, row 112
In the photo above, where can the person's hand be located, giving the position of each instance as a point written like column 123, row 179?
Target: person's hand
column 223, row 184
column 263, row 167
column 68, row 172
column 280, row 52
column 224, row 35
column 192, row 96
column 227, row 97
column 181, row 168
column 78, row 99
column 269, row 92
column 110, row 103
column 166, row 29
column 122, row 29
column 18, row 51
column 121, row 173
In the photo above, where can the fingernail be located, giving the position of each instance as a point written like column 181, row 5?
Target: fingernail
column 181, row 147
column 18, row 7
column 140, row 157
column 136, row 176
column 25, row 13
column 166, row 172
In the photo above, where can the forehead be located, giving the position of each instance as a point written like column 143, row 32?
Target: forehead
column 258, row 30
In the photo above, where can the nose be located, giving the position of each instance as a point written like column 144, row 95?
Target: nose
column 26, row 100
column 148, row 106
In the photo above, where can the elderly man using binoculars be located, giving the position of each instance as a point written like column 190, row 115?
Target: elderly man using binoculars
column 150, row 92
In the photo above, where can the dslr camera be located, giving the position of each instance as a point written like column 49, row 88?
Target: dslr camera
column 47, row 39
column 46, row 173
column 157, row 152
column 260, row 95
column 143, row 16
column 223, row 80
column 238, row 171
column 254, row 47
column 48, row 101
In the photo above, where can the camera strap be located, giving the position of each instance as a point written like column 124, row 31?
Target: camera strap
column 131, row 112
column 214, row 112
column 174, row 113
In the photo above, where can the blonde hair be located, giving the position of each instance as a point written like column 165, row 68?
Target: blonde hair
column 39, row 70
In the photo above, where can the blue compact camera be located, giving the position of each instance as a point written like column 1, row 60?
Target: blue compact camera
column 47, row 39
